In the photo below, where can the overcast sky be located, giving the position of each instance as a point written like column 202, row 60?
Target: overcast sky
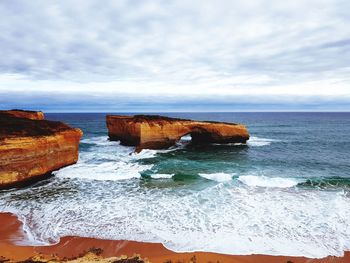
column 175, row 55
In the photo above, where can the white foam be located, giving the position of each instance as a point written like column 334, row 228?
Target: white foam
column 230, row 144
column 149, row 153
column 145, row 154
column 219, row 177
column 257, row 141
column 162, row 176
column 106, row 160
column 225, row 218
column 264, row 181
column 230, row 218
column 25, row 237
column 111, row 171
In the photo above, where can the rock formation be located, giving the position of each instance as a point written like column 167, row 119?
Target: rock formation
column 31, row 147
column 157, row 132
column 32, row 115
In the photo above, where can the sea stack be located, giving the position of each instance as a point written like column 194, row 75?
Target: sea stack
column 158, row 132
column 31, row 147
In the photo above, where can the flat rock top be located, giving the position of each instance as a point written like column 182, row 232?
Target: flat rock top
column 33, row 115
column 158, row 118
column 11, row 126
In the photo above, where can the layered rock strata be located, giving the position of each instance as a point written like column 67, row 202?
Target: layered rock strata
column 31, row 147
column 157, row 132
column 32, row 115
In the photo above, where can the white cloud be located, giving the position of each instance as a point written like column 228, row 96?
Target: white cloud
column 172, row 49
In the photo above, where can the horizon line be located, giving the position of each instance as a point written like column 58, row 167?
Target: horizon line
column 267, row 111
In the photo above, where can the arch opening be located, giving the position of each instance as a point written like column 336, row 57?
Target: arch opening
column 185, row 138
column 196, row 136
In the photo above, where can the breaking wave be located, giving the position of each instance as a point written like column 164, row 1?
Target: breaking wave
column 264, row 181
column 162, row 176
column 257, row 141
column 107, row 160
column 219, row 177
column 224, row 218
column 247, row 214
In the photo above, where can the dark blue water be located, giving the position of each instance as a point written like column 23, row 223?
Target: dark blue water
column 306, row 145
column 285, row 192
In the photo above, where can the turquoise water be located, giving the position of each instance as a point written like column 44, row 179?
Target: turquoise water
column 284, row 193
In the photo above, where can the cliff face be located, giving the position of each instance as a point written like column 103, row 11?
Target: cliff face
column 157, row 132
column 32, row 148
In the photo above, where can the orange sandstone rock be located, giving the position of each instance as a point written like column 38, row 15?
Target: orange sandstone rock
column 30, row 149
column 33, row 115
column 157, row 132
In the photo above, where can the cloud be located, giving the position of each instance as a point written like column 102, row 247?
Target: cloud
column 170, row 50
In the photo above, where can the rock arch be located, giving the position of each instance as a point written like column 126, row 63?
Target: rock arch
column 157, row 132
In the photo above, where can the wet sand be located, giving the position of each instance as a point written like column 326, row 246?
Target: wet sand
column 14, row 246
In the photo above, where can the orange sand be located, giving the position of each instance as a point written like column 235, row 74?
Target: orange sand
column 11, row 234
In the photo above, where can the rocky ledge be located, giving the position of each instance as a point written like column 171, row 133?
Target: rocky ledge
column 157, row 132
column 32, row 115
column 31, row 147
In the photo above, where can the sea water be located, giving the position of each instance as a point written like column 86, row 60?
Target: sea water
column 285, row 192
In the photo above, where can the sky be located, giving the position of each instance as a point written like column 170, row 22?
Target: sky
column 158, row 56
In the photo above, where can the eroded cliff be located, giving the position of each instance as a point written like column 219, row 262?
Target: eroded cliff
column 157, row 132
column 31, row 147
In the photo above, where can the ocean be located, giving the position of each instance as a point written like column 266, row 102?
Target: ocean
column 286, row 192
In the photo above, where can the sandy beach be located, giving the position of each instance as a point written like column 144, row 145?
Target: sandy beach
column 14, row 246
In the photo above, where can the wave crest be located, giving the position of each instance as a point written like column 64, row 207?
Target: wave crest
column 264, row 181
column 106, row 160
column 162, row 176
column 219, row 177
column 257, row 141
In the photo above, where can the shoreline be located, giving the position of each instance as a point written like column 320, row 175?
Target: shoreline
column 13, row 246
